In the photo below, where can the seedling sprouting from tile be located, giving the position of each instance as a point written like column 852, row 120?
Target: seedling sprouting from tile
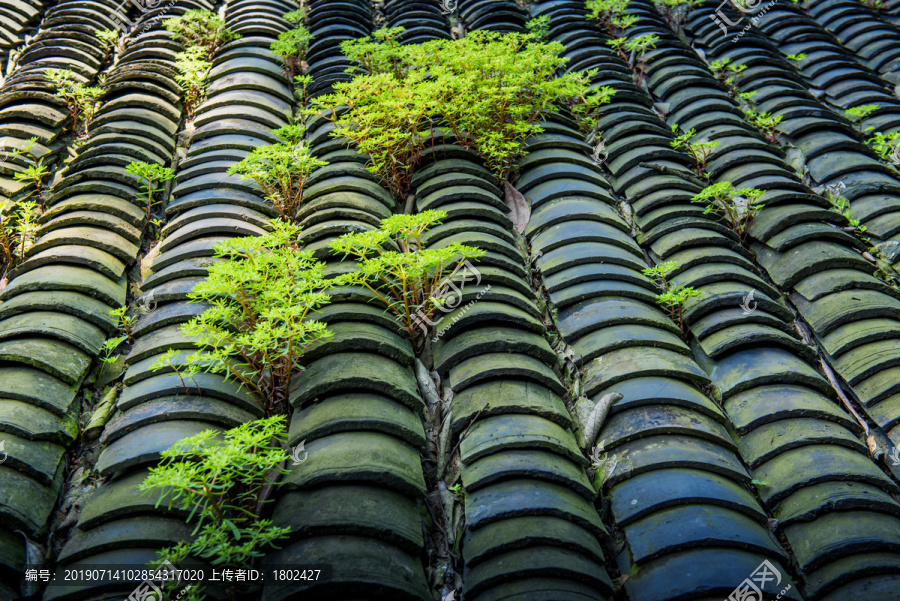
column 18, row 225
column 858, row 114
column 109, row 39
column 82, row 101
column 292, row 45
column 611, row 15
column 150, row 175
column 582, row 107
column 411, row 282
column 736, row 208
column 193, row 71
column 107, row 352
column 125, row 322
column 281, row 169
column 728, row 73
column 841, row 205
column 171, row 360
column 262, row 297
column 796, row 58
column 200, row 28
column 35, row 172
column 672, row 295
column 222, row 482
column 699, row 151
column 884, row 270
column 634, row 53
column 301, row 85
column 766, row 123
column 886, row 146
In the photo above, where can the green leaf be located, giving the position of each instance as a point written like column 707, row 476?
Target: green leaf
column 234, row 529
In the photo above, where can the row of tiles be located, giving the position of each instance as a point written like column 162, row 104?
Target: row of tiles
column 753, row 362
column 829, row 281
column 55, row 312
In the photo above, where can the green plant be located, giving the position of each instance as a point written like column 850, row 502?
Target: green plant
column 382, row 53
column 281, row 169
column 490, row 91
column 858, row 114
column 301, row 84
column 634, row 53
column 125, row 322
column 410, row 282
column 796, row 58
column 764, row 122
column 841, row 205
column 109, row 38
column 35, row 171
column 672, row 296
column 885, row 272
column 611, row 15
column 153, row 175
column 171, row 360
column 676, row 11
column 200, row 28
column 262, row 296
column 157, row 227
column 388, row 120
column 887, row 146
column 738, row 208
column 493, row 90
column 221, row 481
column 458, row 492
column 193, row 71
column 295, row 16
column 699, row 151
column 291, row 46
column 539, row 27
column 107, row 349
column 727, row 72
column 18, row 225
column 875, row 5
column 583, row 108
column 82, row 101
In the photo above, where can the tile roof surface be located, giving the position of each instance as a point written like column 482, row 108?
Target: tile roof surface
column 724, row 451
